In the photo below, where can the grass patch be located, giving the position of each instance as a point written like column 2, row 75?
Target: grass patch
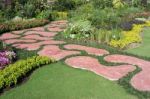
column 143, row 49
column 57, row 81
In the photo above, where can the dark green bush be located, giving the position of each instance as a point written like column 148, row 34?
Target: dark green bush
column 63, row 5
column 102, row 3
column 11, row 74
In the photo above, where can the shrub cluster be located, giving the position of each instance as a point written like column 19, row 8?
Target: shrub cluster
column 11, row 74
column 21, row 24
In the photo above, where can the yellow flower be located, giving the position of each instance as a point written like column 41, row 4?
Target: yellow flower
column 132, row 36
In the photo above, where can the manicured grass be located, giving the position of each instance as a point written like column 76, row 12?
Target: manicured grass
column 58, row 81
column 144, row 48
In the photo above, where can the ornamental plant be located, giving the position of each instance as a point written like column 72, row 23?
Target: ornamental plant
column 6, row 57
column 11, row 74
column 129, row 37
column 78, row 30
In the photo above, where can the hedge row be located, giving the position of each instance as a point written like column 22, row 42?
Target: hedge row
column 11, row 74
column 21, row 24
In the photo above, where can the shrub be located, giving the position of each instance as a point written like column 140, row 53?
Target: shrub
column 11, row 74
column 29, row 10
column 6, row 57
column 21, row 24
column 47, row 14
column 102, row 3
column 105, row 18
column 59, row 15
column 78, row 30
column 63, row 5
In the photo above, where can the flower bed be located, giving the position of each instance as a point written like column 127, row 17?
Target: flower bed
column 130, row 37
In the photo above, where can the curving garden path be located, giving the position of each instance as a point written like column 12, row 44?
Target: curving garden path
column 41, row 39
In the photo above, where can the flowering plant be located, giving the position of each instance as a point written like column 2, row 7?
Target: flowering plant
column 6, row 57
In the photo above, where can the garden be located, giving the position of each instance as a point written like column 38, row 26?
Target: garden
column 74, row 49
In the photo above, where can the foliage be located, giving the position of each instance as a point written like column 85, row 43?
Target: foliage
column 21, row 24
column 13, row 72
column 102, row 3
column 47, row 14
column 132, row 36
column 6, row 57
column 102, row 36
column 118, row 3
column 29, row 10
column 57, row 15
column 63, row 5
column 78, row 30
column 105, row 18
column 136, row 2
column 25, row 8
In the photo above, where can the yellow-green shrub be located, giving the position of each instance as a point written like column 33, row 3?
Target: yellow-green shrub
column 132, row 36
column 13, row 72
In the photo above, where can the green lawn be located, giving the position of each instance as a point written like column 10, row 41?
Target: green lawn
column 58, row 81
column 144, row 49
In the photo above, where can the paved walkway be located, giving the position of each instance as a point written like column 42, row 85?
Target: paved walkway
column 42, row 40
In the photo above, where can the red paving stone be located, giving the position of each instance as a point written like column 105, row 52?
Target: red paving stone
column 36, row 37
column 36, row 46
column 46, row 34
column 92, row 64
column 55, row 52
column 8, row 36
column 12, row 41
column 140, row 81
column 60, row 22
column 29, row 47
column 19, row 31
column 55, row 29
column 89, row 50
column 42, row 29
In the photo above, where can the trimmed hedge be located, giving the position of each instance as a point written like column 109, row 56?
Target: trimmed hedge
column 21, row 24
column 11, row 74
